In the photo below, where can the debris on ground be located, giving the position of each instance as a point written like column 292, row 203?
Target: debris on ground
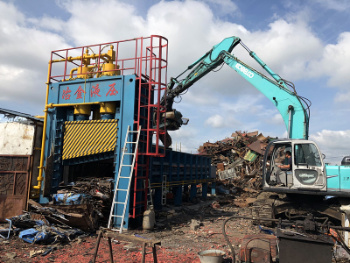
column 183, row 231
column 57, row 231
column 90, row 197
column 84, row 204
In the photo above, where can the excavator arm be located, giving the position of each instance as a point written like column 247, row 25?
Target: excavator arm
column 287, row 101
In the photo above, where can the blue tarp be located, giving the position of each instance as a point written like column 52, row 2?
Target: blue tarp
column 32, row 235
column 68, row 199
column 48, row 234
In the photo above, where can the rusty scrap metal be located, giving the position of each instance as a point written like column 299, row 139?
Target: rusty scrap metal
column 238, row 159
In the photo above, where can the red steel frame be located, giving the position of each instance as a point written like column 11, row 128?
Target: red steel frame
column 149, row 63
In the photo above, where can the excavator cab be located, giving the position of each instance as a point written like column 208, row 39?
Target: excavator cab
column 306, row 172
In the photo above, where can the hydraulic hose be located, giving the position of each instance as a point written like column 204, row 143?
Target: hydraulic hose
column 226, row 237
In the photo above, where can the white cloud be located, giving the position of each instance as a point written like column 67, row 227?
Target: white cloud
column 334, row 144
column 188, row 139
column 287, row 48
column 198, row 97
column 93, row 22
column 48, row 23
column 221, row 100
column 10, row 17
column 342, row 97
column 225, row 7
column 216, row 121
column 24, row 54
column 335, row 63
column 276, row 119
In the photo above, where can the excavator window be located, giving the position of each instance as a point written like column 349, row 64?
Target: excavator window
column 307, row 155
column 307, row 158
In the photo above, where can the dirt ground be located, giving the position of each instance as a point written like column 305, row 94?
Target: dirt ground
column 183, row 231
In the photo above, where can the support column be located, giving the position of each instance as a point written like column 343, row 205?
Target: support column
column 204, row 190
column 193, row 192
column 177, row 195
column 158, row 198
column 213, row 188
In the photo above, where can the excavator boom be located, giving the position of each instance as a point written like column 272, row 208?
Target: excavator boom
column 286, row 100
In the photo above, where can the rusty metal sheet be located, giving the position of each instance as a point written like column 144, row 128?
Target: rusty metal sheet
column 220, row 167
column 251, row 134
column 14, row 178
column 11, row 206
column 258, row 147
column 80, row 216
column 259, row 248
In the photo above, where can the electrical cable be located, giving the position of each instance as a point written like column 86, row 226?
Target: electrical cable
column 220, row 67
column 227, row 239
column 181, row 74
column 342, row 243
column 305, row 100
column 179, row 100
column 184, row 92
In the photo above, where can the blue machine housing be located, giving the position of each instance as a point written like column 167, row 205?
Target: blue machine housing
column 181, row 169
column 181, row 172
column 95, row 94
column 338, row 178
column 125, row 99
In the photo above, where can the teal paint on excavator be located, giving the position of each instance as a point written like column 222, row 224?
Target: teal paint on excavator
column 286, row 100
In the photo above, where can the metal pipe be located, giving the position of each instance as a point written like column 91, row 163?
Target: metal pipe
column 290, row 109
column 88, row 67
column 71, row 72
column 43, row 140
column 104, row 56
column 53, row 105
column 261, row 63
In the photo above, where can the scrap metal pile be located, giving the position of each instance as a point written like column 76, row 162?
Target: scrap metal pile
column 238, row 158
column 89, row 198
column 80, row 206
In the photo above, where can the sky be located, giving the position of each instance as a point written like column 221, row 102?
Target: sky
column 306, row 42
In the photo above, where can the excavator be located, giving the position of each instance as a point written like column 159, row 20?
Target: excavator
column 307, row 174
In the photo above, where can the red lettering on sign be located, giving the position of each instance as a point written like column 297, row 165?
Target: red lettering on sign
column 79, row 93
column 95, row 91
column 112, row 91
column 66, row 94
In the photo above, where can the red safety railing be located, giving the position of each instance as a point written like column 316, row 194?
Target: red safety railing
column 144, row 57
column 147, row 59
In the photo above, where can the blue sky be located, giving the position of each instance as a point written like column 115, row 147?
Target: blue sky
column 306, row 42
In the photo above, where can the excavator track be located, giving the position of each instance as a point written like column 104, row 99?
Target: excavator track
column 271, row 206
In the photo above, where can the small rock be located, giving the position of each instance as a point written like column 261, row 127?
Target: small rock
column 215, row 205
column 131, row 247
column 11, row 255
column 34, row 253
column 195, row 224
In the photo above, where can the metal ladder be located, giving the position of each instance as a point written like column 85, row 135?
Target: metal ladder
column 118, row 190
column 149, row 194
column 164, row 189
